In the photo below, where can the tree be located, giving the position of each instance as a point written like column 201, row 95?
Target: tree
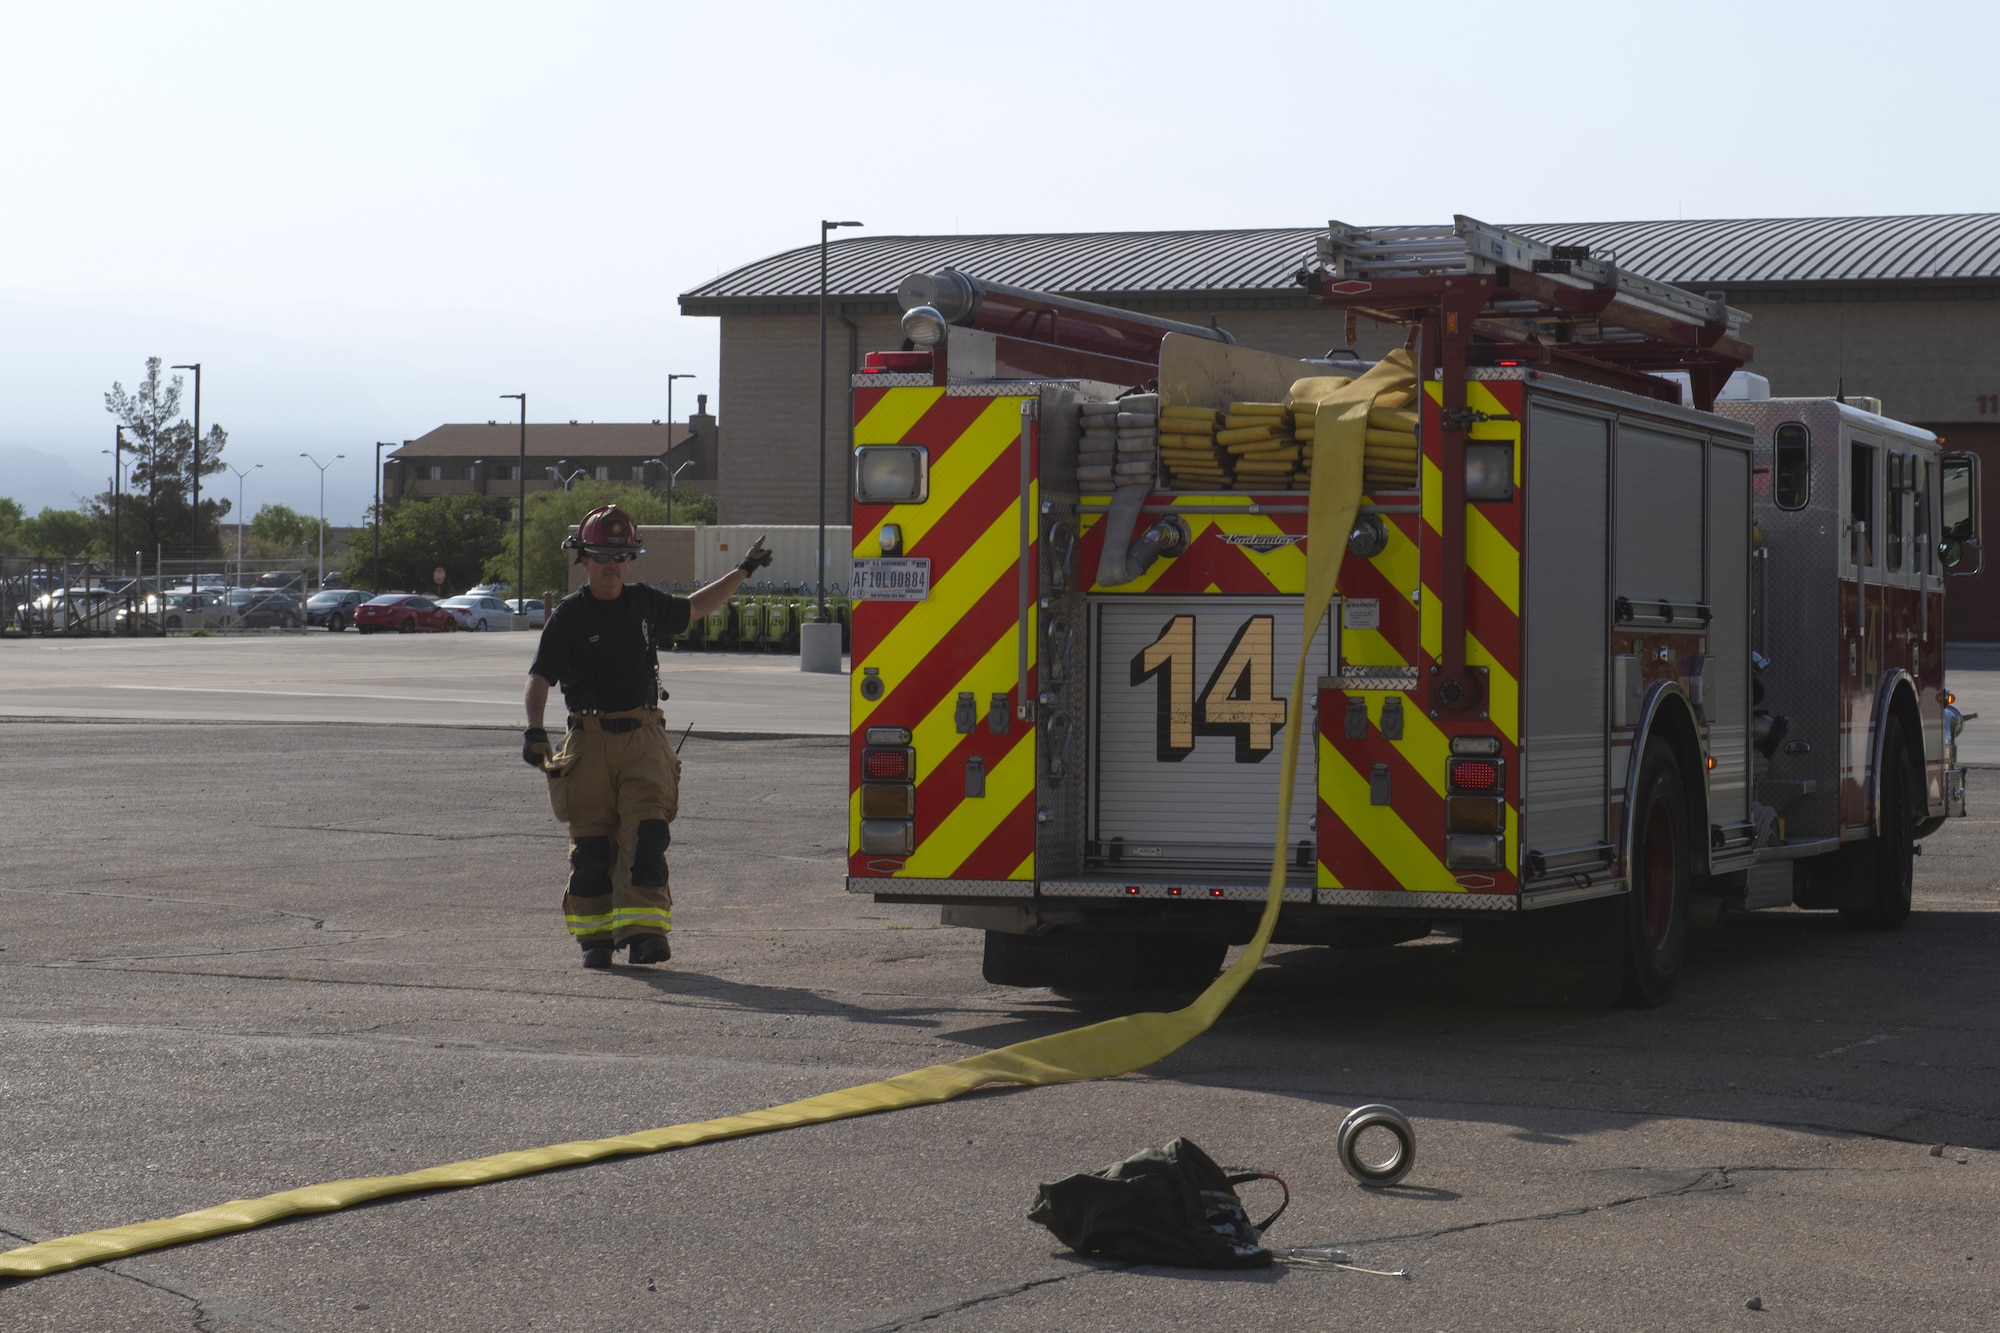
column 10, row 525
column 279, row 531
column 551, row 514
column 62, row 533
column 418, row 535
column 164, row 449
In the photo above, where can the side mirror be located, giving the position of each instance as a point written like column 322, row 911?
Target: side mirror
column 1959, row 549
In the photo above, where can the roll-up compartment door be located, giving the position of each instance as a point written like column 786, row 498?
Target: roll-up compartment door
column 1190, row 707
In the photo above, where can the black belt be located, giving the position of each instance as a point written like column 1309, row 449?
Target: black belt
column 614, row 725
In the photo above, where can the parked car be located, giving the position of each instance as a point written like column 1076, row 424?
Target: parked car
column 71, row 611
column 479, row 613
column 335, row 609
column 404, row 612
column 489, row 590
column 282, row 578
column 533, row 608
column 207, row 609
column 271, row 609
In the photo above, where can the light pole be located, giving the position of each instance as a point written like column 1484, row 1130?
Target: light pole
column 521, row 509
column 556, row 474
column 117, row 467
column 322, row 508
column 666, row 455
column 827, row 229
column 673, row 476
column 194, row 514
column 375, row 575
column 241, row 473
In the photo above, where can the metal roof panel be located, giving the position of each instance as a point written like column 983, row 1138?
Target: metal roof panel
column 1694, row 253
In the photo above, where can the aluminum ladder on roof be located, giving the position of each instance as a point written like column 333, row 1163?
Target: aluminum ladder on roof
column 1471, row 246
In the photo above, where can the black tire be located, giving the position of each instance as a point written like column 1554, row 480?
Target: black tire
column 1892, row 865
column 1661, row 867
column 173, row 622
column 291, row 622
column 364, row 629
column 334, row 624
column 409, row 625
column 451, row 625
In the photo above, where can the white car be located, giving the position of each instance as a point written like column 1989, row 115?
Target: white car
column 533, row 609
column 478, row 612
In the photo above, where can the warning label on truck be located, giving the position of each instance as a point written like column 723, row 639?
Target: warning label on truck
column 1361, row 613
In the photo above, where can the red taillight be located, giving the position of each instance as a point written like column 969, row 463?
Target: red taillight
column 1215, row 893
column 885, row 765
column 1475, row 775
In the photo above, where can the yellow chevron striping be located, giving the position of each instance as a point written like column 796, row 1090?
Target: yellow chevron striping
column 937, row 734
column 894, row 414
column 1025, row 870
column 971, row 456
column 1413, row 863
column 1401, row 568
column 1503, row 691
column 942, row 850
column 1493, row 558
column 990, row 559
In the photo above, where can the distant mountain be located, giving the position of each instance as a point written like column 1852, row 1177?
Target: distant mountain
column 43, row 481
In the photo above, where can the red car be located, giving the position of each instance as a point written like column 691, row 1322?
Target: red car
column 403, row 612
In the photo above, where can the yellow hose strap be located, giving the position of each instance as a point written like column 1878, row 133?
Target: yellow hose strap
column 1101, row 1050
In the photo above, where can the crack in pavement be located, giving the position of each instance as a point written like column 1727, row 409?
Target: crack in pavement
column 318, row 922
column 1701, row 1184
column 1713, row 1181
column 120, row 1269
column 916, row 1318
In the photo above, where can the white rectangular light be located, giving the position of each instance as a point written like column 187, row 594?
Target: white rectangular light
column 891, row 474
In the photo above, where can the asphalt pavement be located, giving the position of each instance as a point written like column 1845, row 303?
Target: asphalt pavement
column 453, row 680
column 240, row 956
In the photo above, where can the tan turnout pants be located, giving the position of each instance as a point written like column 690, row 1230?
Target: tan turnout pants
column 618, row 790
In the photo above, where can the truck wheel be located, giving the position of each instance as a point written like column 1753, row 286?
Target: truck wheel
column 1659, row 861
column 1893, row 863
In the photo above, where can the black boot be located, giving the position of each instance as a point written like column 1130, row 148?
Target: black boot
column 597, row 955
column 649, row 949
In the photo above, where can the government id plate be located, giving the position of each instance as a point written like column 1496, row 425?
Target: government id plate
column 892, row 579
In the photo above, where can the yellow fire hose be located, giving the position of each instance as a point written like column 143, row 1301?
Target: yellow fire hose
column 1100, row 1050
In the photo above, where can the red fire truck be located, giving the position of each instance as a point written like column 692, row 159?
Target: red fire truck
column 1601, row 662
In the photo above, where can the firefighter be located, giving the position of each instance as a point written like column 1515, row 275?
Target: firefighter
column 616, row 779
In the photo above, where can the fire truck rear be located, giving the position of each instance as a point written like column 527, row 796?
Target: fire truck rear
column 1600, row 663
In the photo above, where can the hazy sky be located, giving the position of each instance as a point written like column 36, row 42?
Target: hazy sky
column 368, row 219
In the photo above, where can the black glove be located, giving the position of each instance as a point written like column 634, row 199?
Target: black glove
column 756, row 560
column 535, row 747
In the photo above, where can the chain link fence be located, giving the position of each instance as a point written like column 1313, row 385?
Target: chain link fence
column 45, row 597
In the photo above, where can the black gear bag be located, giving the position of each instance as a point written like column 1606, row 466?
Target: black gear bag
column 1166, row 1205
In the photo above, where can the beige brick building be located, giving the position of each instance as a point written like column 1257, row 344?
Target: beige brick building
column 1905, row 309
column 485, row 460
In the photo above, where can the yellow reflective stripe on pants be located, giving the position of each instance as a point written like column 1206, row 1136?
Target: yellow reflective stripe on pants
column 588, row 925
column 1100, row 1050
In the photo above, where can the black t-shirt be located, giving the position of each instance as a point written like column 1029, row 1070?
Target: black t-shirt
column 601, row 652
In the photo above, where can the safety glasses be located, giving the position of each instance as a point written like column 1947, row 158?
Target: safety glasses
column 610, row 557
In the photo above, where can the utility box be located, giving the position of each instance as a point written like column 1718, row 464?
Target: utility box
column 669, row 558
column 692, row 556
column 793, row 547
